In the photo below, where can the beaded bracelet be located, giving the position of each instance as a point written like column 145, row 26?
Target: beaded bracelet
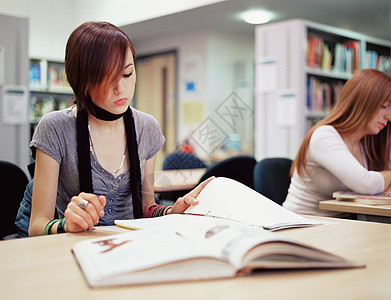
column 155, row 210
column 161, row 211
column 61, row 226
column 49, row 225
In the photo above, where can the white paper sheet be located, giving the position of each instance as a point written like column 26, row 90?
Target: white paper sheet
column 15, row 105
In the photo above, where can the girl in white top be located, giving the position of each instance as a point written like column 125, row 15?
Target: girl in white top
column 350, row 149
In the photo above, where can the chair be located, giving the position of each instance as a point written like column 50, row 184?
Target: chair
column 180, row 160
column 272, row 178
column 239, row 168
column 13, row 185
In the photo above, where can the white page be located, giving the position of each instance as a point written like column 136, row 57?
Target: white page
column 286, row 109
column 137, row 250
column 227, row 198
column 266, row 73
column 224, row 238
column 15, row 104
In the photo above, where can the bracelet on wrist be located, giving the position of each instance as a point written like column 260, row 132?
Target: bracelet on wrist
column 61, row 226
column 49, row 225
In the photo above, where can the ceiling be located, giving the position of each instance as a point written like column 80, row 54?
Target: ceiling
column 370, row 17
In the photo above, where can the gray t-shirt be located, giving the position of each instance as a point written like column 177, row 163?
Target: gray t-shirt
column 56, row 136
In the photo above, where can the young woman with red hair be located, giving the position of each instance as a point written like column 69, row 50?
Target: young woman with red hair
column 94, row 161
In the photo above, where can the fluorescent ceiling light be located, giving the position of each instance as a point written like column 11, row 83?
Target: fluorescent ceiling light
column 256, row 16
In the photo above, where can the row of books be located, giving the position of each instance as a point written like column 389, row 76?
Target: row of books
column 321, row 95
column 42, row 104
column 35, row 78
column 335, row 57
column 380, row 62
column 55, row 77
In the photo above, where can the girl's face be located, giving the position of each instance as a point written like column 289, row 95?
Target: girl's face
column 118, row 97
column 380, row 119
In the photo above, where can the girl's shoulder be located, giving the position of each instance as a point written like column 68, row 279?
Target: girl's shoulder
column 325, row 135
column 143, row 119
column 327, row 130
column 59, row 116
column 140, row 115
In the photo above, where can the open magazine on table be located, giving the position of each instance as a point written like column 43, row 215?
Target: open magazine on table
column 229, row 199
column 188, row 247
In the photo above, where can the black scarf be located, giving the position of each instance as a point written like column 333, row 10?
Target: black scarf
column 83, row 151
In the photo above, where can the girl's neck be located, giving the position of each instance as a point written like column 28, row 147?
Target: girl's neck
column 103, row 114
column 353, row 139
column 107, row 126
column 353, row 142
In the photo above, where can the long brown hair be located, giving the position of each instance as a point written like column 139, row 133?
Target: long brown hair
column 95, row 57
column 361, row 97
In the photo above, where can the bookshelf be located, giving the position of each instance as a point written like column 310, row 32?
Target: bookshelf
column 49, row 89
column 310, row 62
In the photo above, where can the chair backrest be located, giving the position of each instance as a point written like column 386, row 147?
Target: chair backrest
column 181, row 160
column 12, row 185
column 272, row 178
column 239, row 168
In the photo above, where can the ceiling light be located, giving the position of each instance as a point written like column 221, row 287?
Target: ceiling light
column 256, row 16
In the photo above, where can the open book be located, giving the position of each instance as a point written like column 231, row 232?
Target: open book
column 229, row 199
column 198, row 248
column 376, row 199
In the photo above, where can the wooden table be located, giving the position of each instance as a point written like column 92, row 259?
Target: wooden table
column 44, row 268
column 175, row 180
column 356, row 207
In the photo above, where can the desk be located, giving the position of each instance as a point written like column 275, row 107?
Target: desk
column 175, row 180
column 356, row 207
column 44, row 268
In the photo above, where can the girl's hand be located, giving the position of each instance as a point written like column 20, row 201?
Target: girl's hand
column 83, row 212
column 190, row 198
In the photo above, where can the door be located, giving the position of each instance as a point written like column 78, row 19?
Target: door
column 156, row 95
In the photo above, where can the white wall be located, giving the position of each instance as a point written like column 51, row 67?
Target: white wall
column 124, row 12
column 210, row 60
column 52, row 21
column 231, row 78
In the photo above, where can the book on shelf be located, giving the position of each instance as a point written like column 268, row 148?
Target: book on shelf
column 229, row 199
column 187, row 247
column 322, row 94
column 376, row 199
column 377, row 61
column 330, row 56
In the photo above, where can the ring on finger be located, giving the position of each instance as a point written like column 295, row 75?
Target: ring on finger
column 83, row 203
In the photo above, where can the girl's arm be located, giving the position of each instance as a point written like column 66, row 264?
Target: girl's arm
column 329, row 151
column 387, row 180
column 45, row 196
column 44, row 193
column 148, row 189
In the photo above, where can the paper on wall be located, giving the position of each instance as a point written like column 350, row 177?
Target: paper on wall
column 15, row 105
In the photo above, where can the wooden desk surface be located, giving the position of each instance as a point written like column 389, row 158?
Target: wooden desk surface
column 356, row 207
column 174, row 180
column 44, row 268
